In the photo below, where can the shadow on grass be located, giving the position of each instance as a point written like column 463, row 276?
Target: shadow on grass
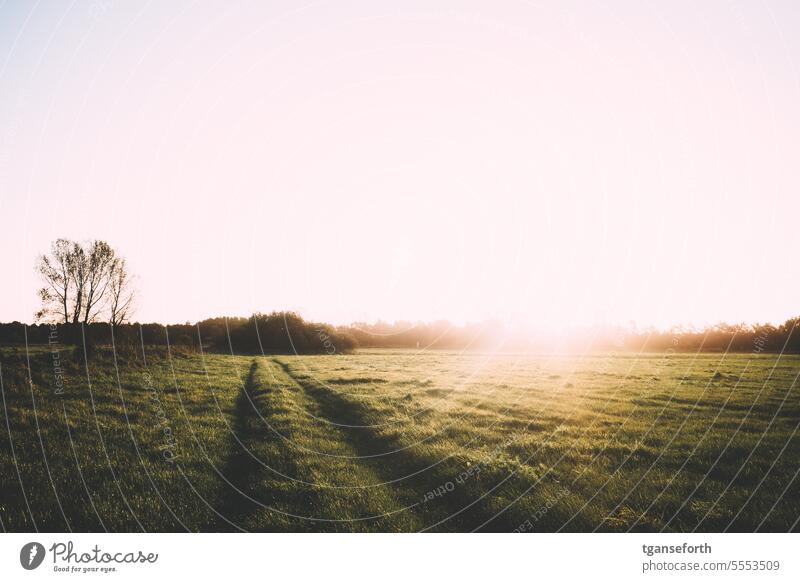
column 242, row 469
column 413, row 476
column 259, row 495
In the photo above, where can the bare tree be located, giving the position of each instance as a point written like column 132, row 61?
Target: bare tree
column 56, row 270
column 121, row 293
column 78, row 275
column 99, row 261
column 81, row 282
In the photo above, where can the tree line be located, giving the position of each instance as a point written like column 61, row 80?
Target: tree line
column 723, row 337
column 287, row 332
column 87, row 299
column 274, row 333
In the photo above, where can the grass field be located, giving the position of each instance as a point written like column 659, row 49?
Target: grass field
column 399, row 441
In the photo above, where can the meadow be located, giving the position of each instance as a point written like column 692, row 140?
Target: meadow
column 398, row 440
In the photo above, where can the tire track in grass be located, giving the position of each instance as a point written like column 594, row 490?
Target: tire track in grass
column 262, row 490
column 349, row 495
column 244, row 471
column 411, row 475
column 281, row 476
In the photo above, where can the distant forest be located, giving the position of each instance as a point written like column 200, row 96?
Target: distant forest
column 287, row 332
column 88, row 299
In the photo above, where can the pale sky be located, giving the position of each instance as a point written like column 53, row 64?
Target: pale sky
column 546, row 163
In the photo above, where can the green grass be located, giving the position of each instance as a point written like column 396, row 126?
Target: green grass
column 400, row 441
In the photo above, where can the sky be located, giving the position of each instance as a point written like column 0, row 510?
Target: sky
column 541, row 163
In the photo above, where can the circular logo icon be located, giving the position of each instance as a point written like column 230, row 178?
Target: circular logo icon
column 31, row 555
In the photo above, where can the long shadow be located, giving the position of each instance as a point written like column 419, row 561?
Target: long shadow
column 257, row 483
column 417, row 475
column 241, row 468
